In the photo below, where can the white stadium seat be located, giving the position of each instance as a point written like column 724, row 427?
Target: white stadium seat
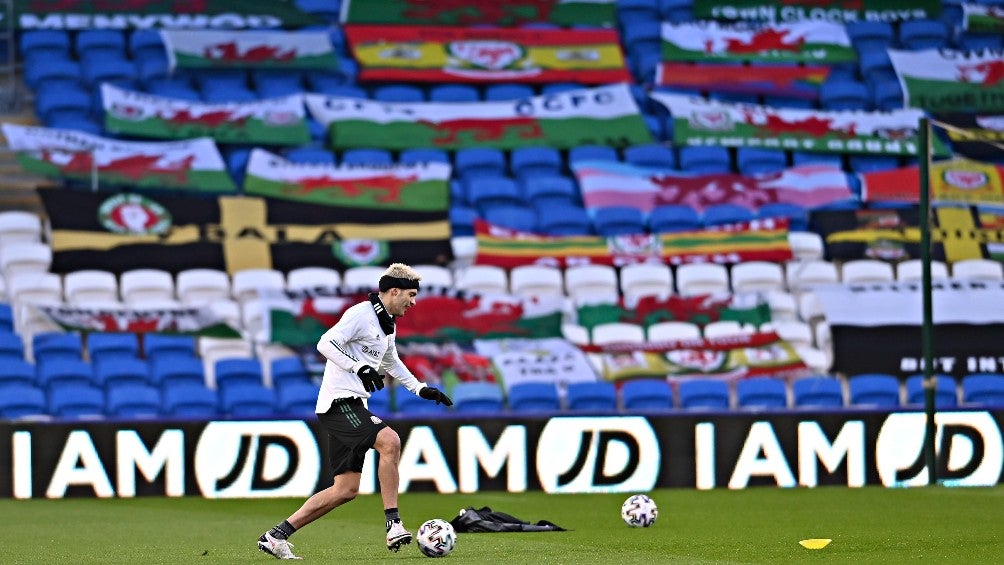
column 802, row 275
column 363, row 277
column 87, row 286
column 754, row 276
column 146, row 285
column 673, row 330
column 200, row 286
column 484, row 279
column 586, row 282
column 25, row 257
column 701, row 278
column 911, row 271
column 306, row 278
column 977, row 269
column 646, row 279
column 617, row 332
column 536, row 280
column 866, row 271
column 17, row 226
column 247, row 284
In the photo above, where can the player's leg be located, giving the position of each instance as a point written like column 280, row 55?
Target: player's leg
column 388, row 445
column 344, row 488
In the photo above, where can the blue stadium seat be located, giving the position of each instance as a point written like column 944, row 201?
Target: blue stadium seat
column 887, row 94
column 641, row 34
column 226, row 94
column 130, row 400
column 399, row 93
column 367, row 156
column 546, row 189
column 11, row 348
column 17, row 370
column 789, row 102
column 553, row 88
column 101, row 344
column 335, row 87
column 454, row 93
column 288, row 370
column 477, row 397
column 488, row 192
column 643, row 64
column 173, row 89
column 156, row 345
column 52, row 71
column 812, row 392
column 618, row 220
column 20, row 400
column 247, row 400
column 874, row 65
column 653, row 155
column 721, row 214
column 101, row 42
column 870, row 163
column 305, row 155
column 761, row 392
column 974, row 42
column 986, row 389
column 409, row 403
column 673, row 218
column 704, row 393
column 145, row 42
column 327, row 9
column 220, row 78
column 297, row 399
column 591, row 153
column 51, row 345
column 844, row 95
column 531, row 162
column 76, row 401
column 52, row 105
column 273, row 83
column 477, row 162
column 462, row 220
column 945, row 394
column 171, row 370
column 235, row 372
column 753, row 161
column 534, row 397
column 874, row 389
column 99, row 68
column 6, row 318
column 153, row 70
column 870, row 35
column 798, row 216
column 111, row 371
column 188, row 400
column 646, row 394
column 592, row 396
column 505, row 91
column 564, row 220
column 45, row 42
column 423, row 155
column 59, row 372
column 923, row 34
column 808, row 158
column 513, row 216
column 705, row 160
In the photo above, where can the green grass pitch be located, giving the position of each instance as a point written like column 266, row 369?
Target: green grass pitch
column 757, row 525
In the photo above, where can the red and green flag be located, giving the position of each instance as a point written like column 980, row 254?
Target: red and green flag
column 605, row 115
column 945, row 80
column 274, row 121
column 697, row 121
column 419, row 186
column 456, row 54
column 749, row 309
column 193, row 164
column 215, row 49
column 595, row 13
column 801, row 81
column 840, row 11
column 959, row 181
column 188, row 320
column 977, row 18
column 796, row 42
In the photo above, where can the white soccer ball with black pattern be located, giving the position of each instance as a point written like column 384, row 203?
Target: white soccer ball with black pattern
column 436, row 538
column 639, row 511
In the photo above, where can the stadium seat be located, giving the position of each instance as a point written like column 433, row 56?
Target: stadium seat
column 536, row 280
column 452, row 93
column 651, row 155
column 114, row 371
column 646, row 395
column 423, row 155
column 508, row 91
column 817, row 392
column 99, row 68
column 201, row 286
column 842, row 94
column 143, row 42
column 544, row 190
column 108, row 344
column 145, row 285
column 308, row 155
column 246, row 284
column 476, row 162
column 985, row 389
column 170, row 370
column 754, row 161
column 57, row 345
column 564, row 220
column 724, row 328
column 752, row 276
column 435, row 275
column 75, row 401
column 974, row 42
column 488, row 192
column 706, row 160
column 618, row 220
column 17, row 226
column 797, row 216
column 247, row 400
column 870, row 35
column 870, row 163
column 110, row 42
column 221, row 93
column 673, row 330
column 25, row 257
column 130, row 400
column 617, row 332
column 157, row 345
column 408, row 403
column 886, row 94
column 761, row 392
column 533, row 397
column 911, row 270
column 477, row 397
column 583, row 282
column 921, row 34
column 875, row 65
column 398, row 93
column 11, row 349
column 45, row 42
column 304, row 278
column 646, row 279
column 862, row 271
column 802, row 275
column 673, row 218
column 288, row 370
column 704, row 394
column 52, row 106
column 723, row 214
column 945, row 395
column 876, row 390
column 977, row 270
column 795, row 332
column 6, row 313
column 485, row 279
column 532, row 162
column 693, row 279
column 21, row 400
column 53, row 373
column 595, row 396
column 297, row 399
column 362, row 277
column 234, row 372
column 365, row 156
column 591, row 153
column 189, row 401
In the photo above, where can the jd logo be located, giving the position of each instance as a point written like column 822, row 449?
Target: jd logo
column 967, row 444
column 598, row 455
column 256, row 459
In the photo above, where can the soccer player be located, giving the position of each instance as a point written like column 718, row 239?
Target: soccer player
column 359, row 349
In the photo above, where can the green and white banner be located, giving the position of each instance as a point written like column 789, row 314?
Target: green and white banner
column 274, row 121
column 145, row 14
column 945, row 80
column 818, row 10
column 189, row 320
column 420, row 186
column 605, row 115
column 200, row 49
column 597, row 13
column 697, row 121
column 193, row 164
column 983, row 19
column 801, row 42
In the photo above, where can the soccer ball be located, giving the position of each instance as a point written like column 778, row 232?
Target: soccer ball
column 639, row 511
column 436, row 538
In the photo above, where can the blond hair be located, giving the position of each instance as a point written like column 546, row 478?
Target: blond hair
column 402, row 271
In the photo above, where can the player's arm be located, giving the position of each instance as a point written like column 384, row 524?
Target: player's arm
column 334, row 344
column 394, row 367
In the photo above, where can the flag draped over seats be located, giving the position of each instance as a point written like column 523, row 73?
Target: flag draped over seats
column 809, row 41
column 595, row 13
column 202, row 49
column 947, row 80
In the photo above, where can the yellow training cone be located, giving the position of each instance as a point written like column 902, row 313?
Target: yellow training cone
column 815, row 543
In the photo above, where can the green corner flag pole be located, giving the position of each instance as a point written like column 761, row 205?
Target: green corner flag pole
column 927, row 326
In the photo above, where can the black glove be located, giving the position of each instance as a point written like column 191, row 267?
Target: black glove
column 372, row 381
column 432, row 393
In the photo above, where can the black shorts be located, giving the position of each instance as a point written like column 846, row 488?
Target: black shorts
column 352, row 431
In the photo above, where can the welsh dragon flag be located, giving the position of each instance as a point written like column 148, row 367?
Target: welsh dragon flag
column 598, row 13
column 977, row 18
column 298, row 318
column 248, row 49
column 697, row 121
column 188, row 320
column 275, row 121
column 948, row 81
column 747, row 308
column 191, row 164
column 810, row 41
column 420, row 187
column 606, row 115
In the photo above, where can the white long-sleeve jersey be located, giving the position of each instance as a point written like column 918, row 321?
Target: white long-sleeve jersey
column 358, row 340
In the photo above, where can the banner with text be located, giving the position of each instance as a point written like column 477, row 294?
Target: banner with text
column 234, row 49
column 144, row 14
column 958, row 181
column 457, row 54
column 797, row 10
column 766, row 79
column 606, row 115
column 597, row 13
column 945, row 80
column 273, row 121
column 193, row 164
column 549, row 360
column 188, row 320
column 807, row 41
